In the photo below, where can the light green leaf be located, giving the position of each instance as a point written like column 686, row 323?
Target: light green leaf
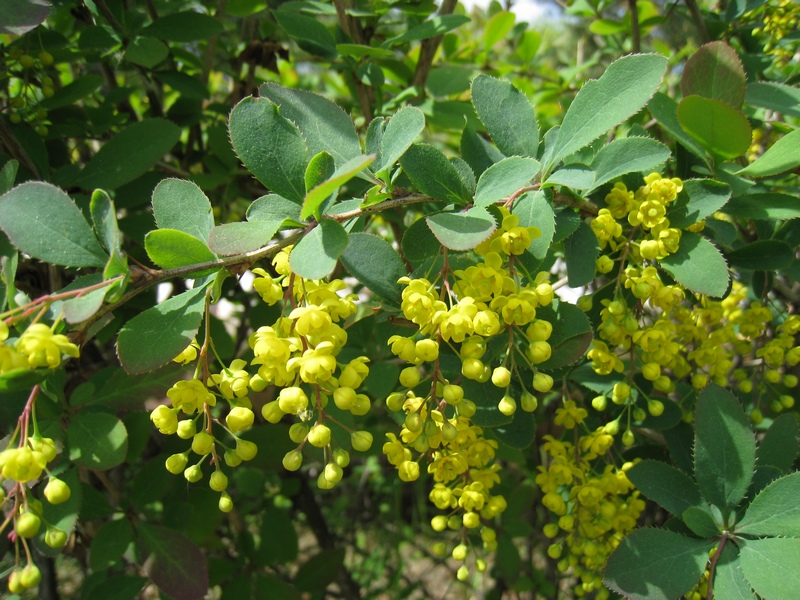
column 462, row 231
column 622, row 91
column 724, row 450
column 721, row 129
column 504, row 178
column 580, row 253
column 272, row 207
column 529, row 45
column 497, row 28
column 97, row 440
column 237, row 238
column 656, row 564
column 729, row 581
column 157, row 335
column 775, row 510
column 173, row 562
column 762, row 255
column 777, row 97
column 180, row 204
column 323, row 125
column 374, row 262
column 129, row 154
column 763, row 206
column 270, row 146
column 317, row 253
column 665, row 110
column 146, row 52
column 432, row 27
column 698, row 199
column 576, row 177
column 80, row 308
column 780, row 444
column 170, row 248
column 319, row 168
column 358, row 51
column 434, row 175
column 698, row 265
column 507, row 115
column 715, row 72
column 184, row 26
column 627, row 155
column 782, row 156
column 571, row 336
column 674, row 490
column 608, row 27
column 770, row 566
column 308, row 32
column 398, row 135
column 315, row 197
column 42, row 221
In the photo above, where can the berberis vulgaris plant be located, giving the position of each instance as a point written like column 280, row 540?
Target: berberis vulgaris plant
column 503, row 323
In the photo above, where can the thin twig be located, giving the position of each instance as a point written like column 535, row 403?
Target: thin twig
column 428, row 49
column 635, row 33
column 697, row 17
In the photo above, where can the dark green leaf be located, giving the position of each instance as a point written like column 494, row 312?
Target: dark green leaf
column 374, row 263
column 129, row 154
column 627, row 155
column 318, row 571
column 308, row 32
column 113, row 387
column 698, row 265
column 64, row 516
column 432, row 27
column 462, row 231
column 674, row 490
column 782, row 156
column 763, row 206
column 774, row 96
column 97, row 440
column 477, row 152
column 763, row 255
column 156, row 336
column 184, row 26
column 519, row 433
column 504, row 178
column 700, row 521
column 655, row 564
column 117, row 587
column 698, row 199
column 20, row 16
column 398, row 135
column 507, row 116
column 44, row 222
column 270, row 146
column 622, row 91
column 434, row 175
column 486, row 399
column 774, row 511
column 724, row 450
column 721, row 129
column 109, row 544
column 715, row 72
column 181, row 205
column 104, row 219
column 188, row 87
column 770, row 566
column 571, row 336
column 278, row 538
column 317, row 253
column 146, row 52
column 8, row 175
column 729, row 581
column 173, row 562
column 72, row 92
column 419, row 242
column 580, row 252
column 780, row 444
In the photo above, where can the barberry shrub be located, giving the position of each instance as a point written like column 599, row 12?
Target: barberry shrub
column 509, row 320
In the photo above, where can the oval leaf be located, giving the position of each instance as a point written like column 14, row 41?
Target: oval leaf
column 774, row 511
column 462, row 231
column 763, row 255
column 780, row 444
column 721, row 129
column 715, row 72
column 184, row 26
column 674, row 490
column 434, row 175
column 507, row 115
column 173, row 562
column 627, row 155
column 698, row 265
column 374, row 262
column 170, row 248
column 180, row 204
column 504, row 178
column 97, row 440
column 698, row 199
column 317, row 253
column 763, row 206
column 237, row 238
column 400, row 132
column 770, row 566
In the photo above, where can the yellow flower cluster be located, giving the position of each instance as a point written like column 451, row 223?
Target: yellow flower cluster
column 775, row 20
column 37, row 347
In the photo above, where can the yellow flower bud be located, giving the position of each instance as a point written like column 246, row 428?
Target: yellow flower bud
column 293, row 460
column 361, row 440
column 319, row 436
column 57, row 491
column 239, row 419
column 202, row 443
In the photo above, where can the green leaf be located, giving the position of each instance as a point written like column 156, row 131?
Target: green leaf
column 674, row 490
column 237, row 238
column 278, row 539
column 419, row 242
column 655, row 564
column 580, row 253
column 698, row 265
column 724, row 450
column 181, row 205
column 698, row 199
column 715, row 72
column 577, row 177
column 665, row 110
column 434, row 175
column 18, row 17
column 64, row 516
column 431, row 28
column 775, row 510
column 477, row 152
column 763, row 255
column 116, row 587
column 189, row 87
column 146, row 52
column 270, row 146
column 721, row 129
column 323, row 125
column 315, row 197
column 8, row 175
column 273, row 207
column 113, row 387
column 534, row 210
column 173, row 562
column 184, row 26
column 317, row 253
column 782, row 156
column 507, row 115
column 156, row 336
column 398, row 135
column 627, row 155
column 358, row 51
column 72, row 92
column 129, row 154
column 777, row 97
column 528, row 45
column 519, row 433
column 622, row 91
column 109, row 544
column 80, row 308
column 486, row 399
column 780, row 444
column 729, row 581
column 308, row 32
column 701, row 522
column 571, row 336
column 504, row 178
column 318, row 571
column 770, row 566
column 462, row 231
column 97, row 440
column 608, row 27
column 319, row 168
column 170, row 248
column 42, row 221
column 374, row 262
column 104, row 219
column 497, row 28
column 763, row 206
